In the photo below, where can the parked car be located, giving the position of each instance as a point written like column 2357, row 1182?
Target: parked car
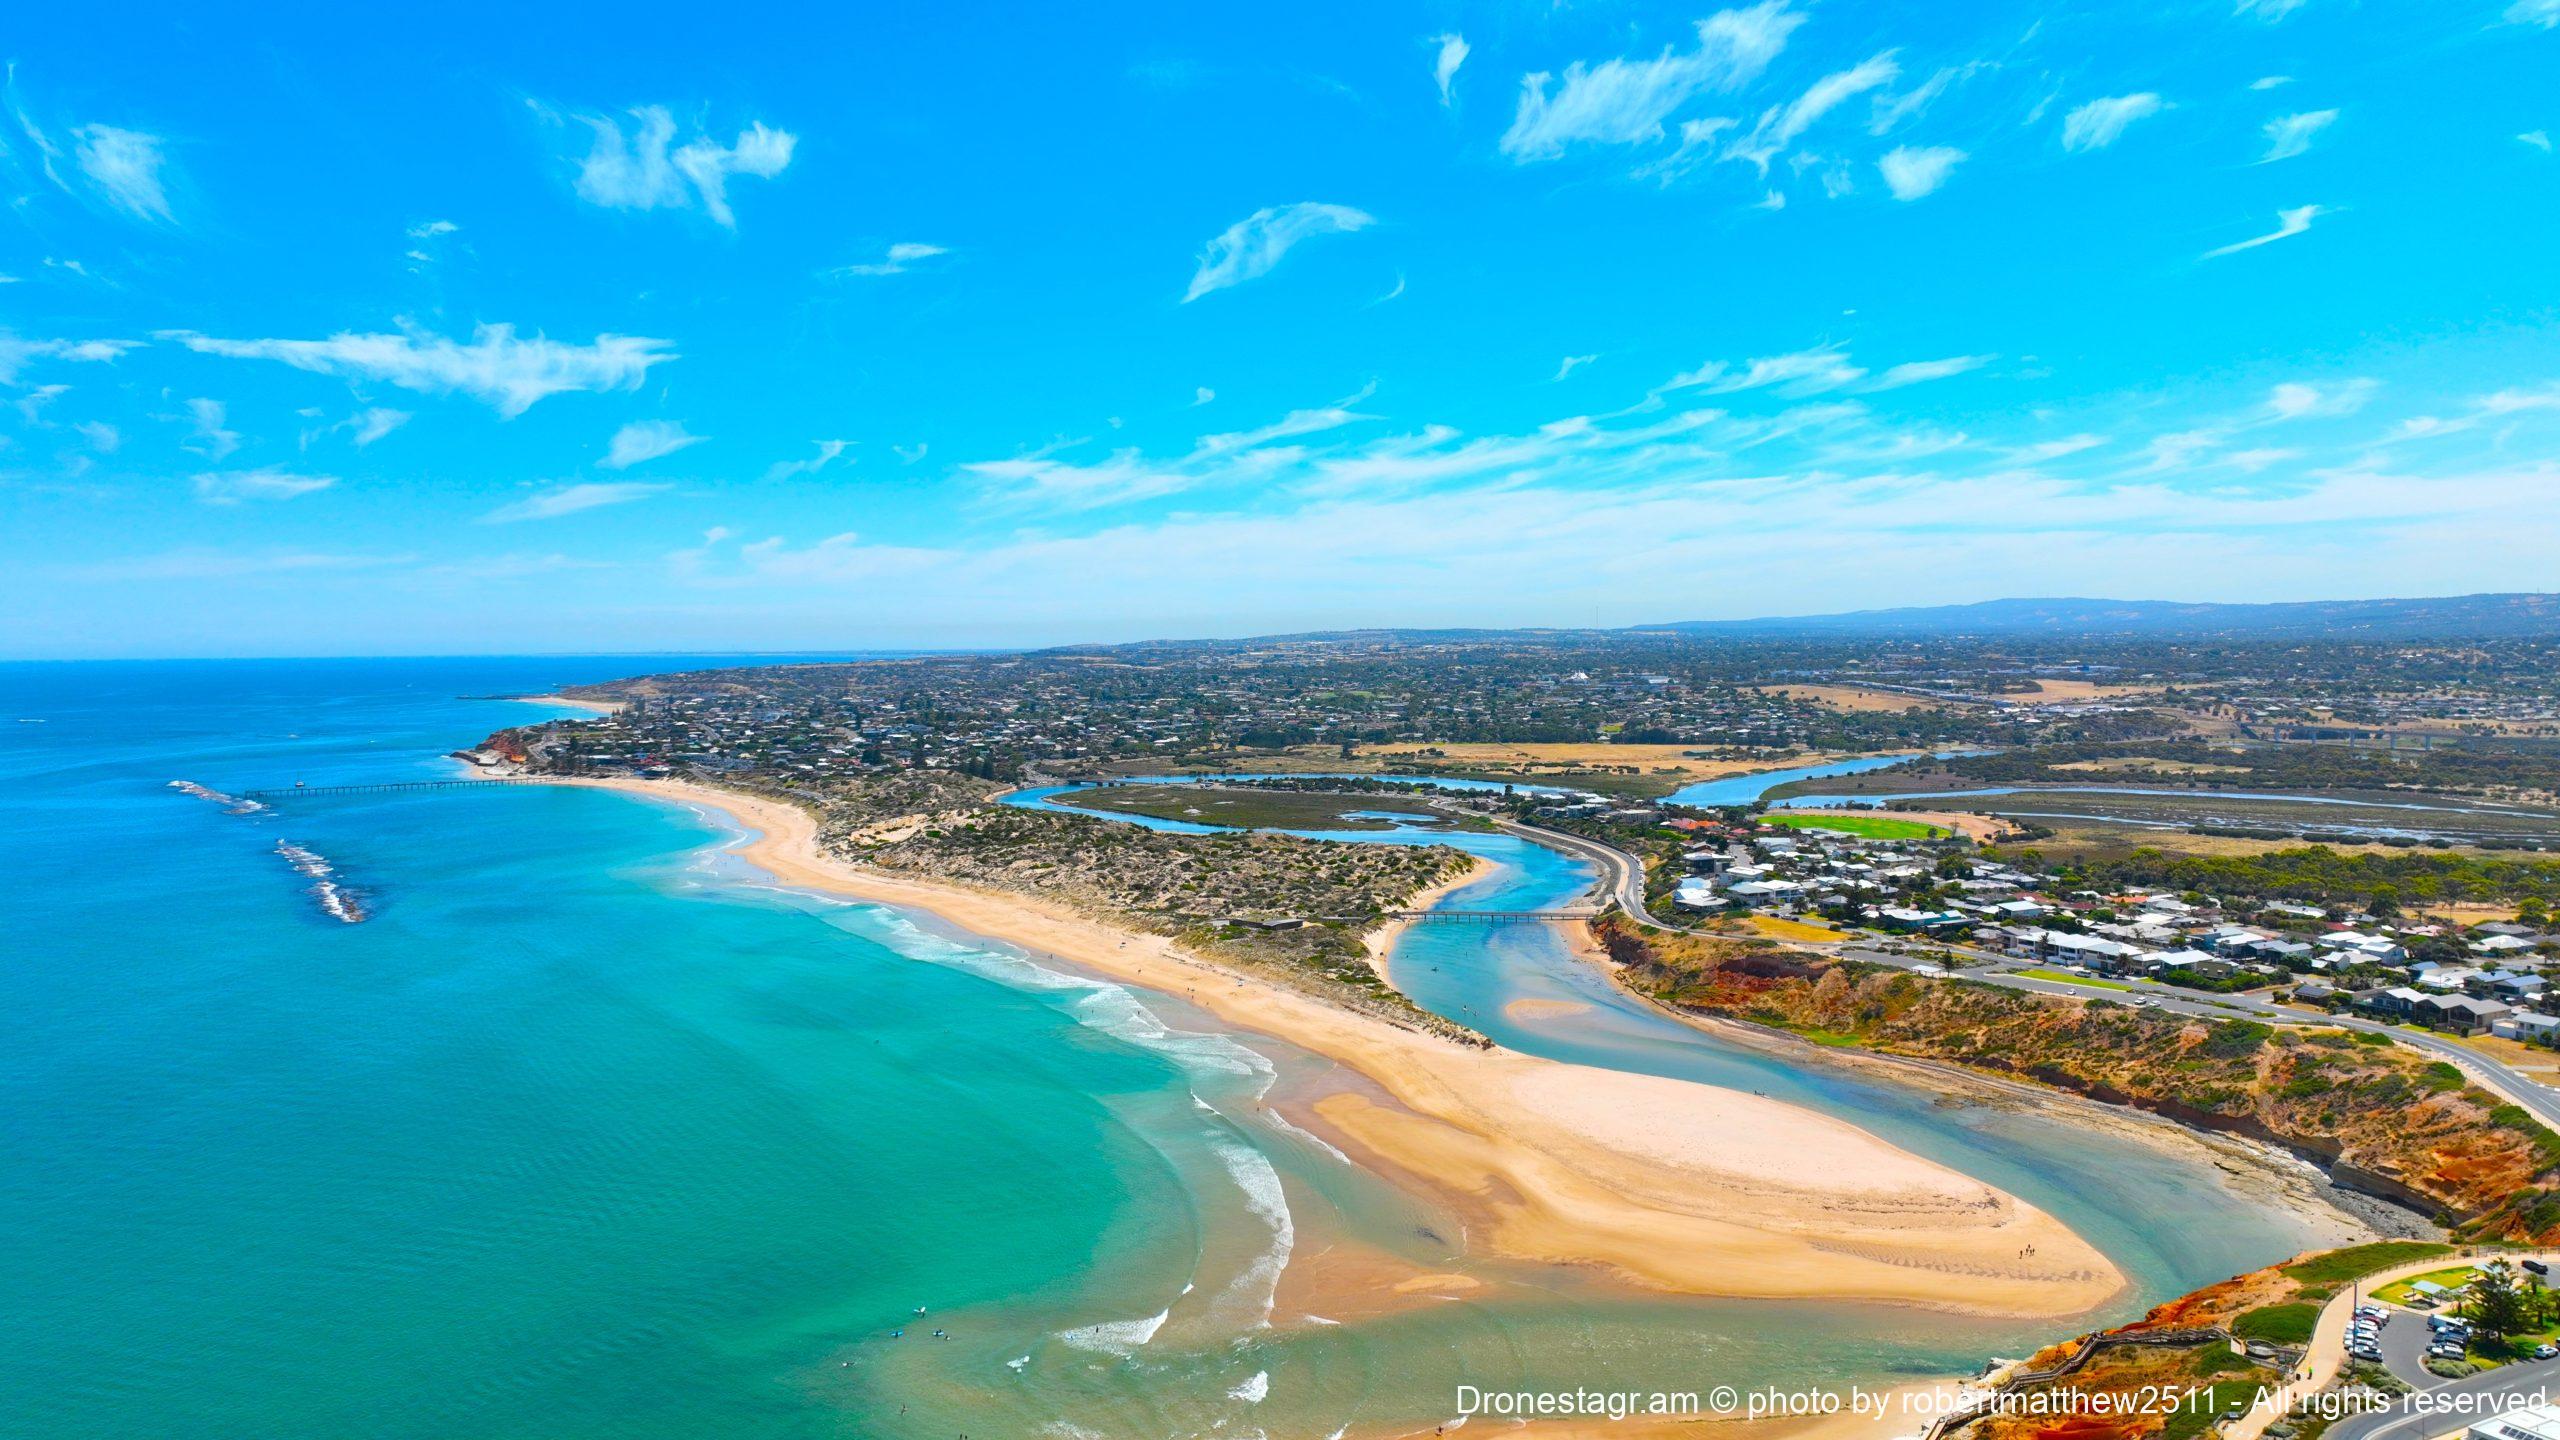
column 2545, row 1352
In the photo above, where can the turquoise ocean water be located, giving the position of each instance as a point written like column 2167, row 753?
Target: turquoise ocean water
column 587, row 1131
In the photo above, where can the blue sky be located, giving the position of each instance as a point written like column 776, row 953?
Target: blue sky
column 643, row 328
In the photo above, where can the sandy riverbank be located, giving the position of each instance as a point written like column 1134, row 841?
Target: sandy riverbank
column 1677, row 1186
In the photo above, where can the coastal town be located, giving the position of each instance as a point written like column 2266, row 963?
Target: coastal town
column 1785, row 720
column 2291, row 891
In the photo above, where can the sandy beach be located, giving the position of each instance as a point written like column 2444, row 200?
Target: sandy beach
column 599, row 707
column 1672, row 1185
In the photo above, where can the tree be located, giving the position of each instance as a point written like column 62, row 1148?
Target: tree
column 2497, row 1307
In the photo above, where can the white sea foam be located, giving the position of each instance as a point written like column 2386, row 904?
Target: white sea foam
column 1116, row 1010
column 336, row 900
column 1282, row 1122
column 1116, row 1337
column 1252, row 1391
column 235, row 804
column 1016, row 1365
column 1257, row 1286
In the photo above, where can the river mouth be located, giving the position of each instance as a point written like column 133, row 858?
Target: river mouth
column 587, row 1109
column 2171, row 1221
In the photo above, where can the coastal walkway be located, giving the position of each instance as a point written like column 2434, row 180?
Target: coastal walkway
column 2325, row 1358
column 386, row 787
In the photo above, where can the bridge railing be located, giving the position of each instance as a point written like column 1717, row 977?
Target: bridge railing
column 382, row 787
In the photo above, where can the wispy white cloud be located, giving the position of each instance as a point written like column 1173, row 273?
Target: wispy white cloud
column 2289, row 223
column 16, row 354
column 1697, row 146
column 211, row 440
column 2545, row 13
column 897, row 260
column 1627, row 102
column 1289, row 426
column 1911, row 172
column 1046, row 482
column 373, row 423
column 1889, row 112
column 1920, row 372
column 2044, row 451
column 1202, row 395
column 1444, row 66
column 1798, row 372
column 1249, row 248
column 237, row 486
column 2291, row 135
column 645, row 440
column 2270, row 11
column 570, row 499
column 205, row 564
column 2270, row 82
column 31, row 403
column 1573, row 363
column 495, row 367
column 1780, row 125
column 642, row 168
column 121, row 167
column 2295, row 400
column 2538, row 139
column 125, row 165
column 1817, row 370
column 828, row 451
column 2100, row 123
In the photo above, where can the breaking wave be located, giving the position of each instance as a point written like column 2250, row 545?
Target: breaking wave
column 232, row 804
column 334, row 899
column 1116, row 1337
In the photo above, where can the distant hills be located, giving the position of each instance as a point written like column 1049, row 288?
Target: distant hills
column 2448, row 617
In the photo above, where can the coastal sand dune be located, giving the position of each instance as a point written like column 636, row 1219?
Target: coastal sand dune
column 1675, row 1185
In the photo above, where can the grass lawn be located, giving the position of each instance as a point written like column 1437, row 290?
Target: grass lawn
column 1252, row 809
column 2071, row 979
column 2398, row 1292
column 1872, row 827
column 2287, row 1324
column 2329, row 1271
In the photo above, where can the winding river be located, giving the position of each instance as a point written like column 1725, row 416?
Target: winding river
column 2170, row 1222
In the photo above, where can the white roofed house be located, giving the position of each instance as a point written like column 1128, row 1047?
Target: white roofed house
column 2531, row 1026
column 2092, row 951
column 1763, row 892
